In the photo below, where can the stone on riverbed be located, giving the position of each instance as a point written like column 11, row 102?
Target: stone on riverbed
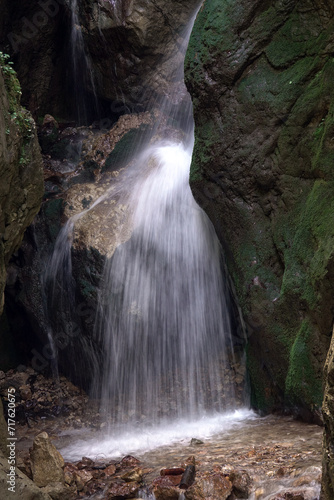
column 210, row 487
column 242, row 483
column 164, row 489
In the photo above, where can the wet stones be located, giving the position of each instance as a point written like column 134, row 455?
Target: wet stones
column 242, row 483
column 213, row 486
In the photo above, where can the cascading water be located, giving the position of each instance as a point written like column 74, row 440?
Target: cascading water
column 163, row 318
column 164, row 321
column 166, row 332
column 80, row 68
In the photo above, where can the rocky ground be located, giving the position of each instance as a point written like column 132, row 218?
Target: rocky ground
column 275, row 467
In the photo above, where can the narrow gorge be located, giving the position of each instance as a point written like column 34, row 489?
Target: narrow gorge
column 166, row 297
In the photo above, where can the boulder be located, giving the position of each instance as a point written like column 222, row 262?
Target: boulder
column 210, row 486
column 25, row 489
column 47, row 464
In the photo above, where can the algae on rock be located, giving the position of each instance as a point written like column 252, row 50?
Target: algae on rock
column 260, row 77
column 21, row 171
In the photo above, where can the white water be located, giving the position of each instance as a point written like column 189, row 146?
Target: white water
column 80, row 67
column 132, row 441
column 165, row 329
column 163, row 317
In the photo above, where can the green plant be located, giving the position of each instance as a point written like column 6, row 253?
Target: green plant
column 12, row 84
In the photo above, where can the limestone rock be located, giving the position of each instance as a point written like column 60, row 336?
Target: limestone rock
column 47, row 464
column 259, row 76
column 212, row 486
column 21, row 175
column 25, row 489
column 60, row 491
column 123, row 42
column 241, row 482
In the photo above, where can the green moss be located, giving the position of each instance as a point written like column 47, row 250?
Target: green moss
column 276, row 89
column 210, row 137
column 305, row 236
column 302, row 384
column 261, row 395
column 293, row 41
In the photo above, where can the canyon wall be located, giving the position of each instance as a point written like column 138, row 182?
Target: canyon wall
column 260, row 74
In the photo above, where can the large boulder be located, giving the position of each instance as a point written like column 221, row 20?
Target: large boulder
column 260, row 74
column 47, row 464
column 23, row 489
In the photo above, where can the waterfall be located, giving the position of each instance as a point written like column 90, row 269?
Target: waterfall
column 163, row 317
column 166, row 329
column 81, row 70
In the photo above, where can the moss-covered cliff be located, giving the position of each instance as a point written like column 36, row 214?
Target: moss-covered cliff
column 21, row 174
column 261, row 75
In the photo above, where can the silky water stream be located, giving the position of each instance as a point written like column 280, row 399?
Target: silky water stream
column 167, row 373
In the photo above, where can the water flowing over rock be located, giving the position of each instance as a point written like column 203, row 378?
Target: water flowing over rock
column 259, row 74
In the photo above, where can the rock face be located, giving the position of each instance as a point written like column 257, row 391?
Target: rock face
column 21, row 177
column 260, row 76
column 83, row 218
column 117, row 45
column 328, row 441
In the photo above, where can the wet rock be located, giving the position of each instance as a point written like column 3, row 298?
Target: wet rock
column 135, row 475
column 120, row 489
column 164, row 489
column 242, row 483
column 81, row 478
column 85, row 462
column 210, row 487
column 174, row 471
column 46, row 462
column 69, row 471
column 21, row 174
column 129, row 461
column 60, row 491
column 110, row 470
column 296, row 495
column 196, row 442
column 250, row 144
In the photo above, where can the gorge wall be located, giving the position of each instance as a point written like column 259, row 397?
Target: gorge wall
column 261, row 74
column 21, row 171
